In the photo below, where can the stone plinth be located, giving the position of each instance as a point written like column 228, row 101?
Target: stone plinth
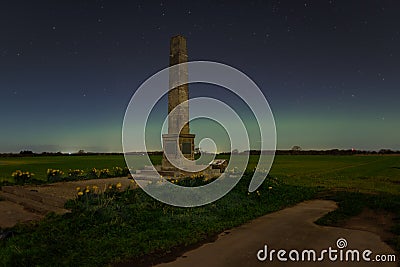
column 172, row 143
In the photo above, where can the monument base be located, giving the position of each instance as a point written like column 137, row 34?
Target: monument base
column 214, row 170
column 156, row 172
column 177, row 174
column 172, row 143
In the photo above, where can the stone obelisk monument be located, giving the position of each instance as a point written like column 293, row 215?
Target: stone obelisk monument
column 179, row 136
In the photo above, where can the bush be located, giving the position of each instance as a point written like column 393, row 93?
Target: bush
column 120, row 172
column 21, row 177
column 54, row 175
column 93, row 173
column 104, row 173
column 76, row 174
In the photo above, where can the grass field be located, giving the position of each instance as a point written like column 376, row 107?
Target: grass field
column 355, row 173
column 39, row 165
column 130, row 225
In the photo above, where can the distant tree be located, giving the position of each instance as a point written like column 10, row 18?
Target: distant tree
column 296, row 148
column 81, row 151
column 26, row 152
column 385, row 151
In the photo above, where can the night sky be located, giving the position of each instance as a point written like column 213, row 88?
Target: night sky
column 329, row 69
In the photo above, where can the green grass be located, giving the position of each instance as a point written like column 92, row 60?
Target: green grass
column 133, row 225
column 39, row 165
column 369, row 174
column 354, row 173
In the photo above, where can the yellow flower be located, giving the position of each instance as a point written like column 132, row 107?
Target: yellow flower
column 95, row 187
column 78, row 188
column 118, row 185
column 110, row 187
column 270, row 187
column 87, row 191
column 80, row 193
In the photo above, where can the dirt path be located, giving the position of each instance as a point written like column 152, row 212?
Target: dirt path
column 291, row 228
column 31, row 203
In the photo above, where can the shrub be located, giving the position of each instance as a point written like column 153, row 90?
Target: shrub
column 104, row 173
column 54, row 175
column 120, row 172
column 21, row 177
column 93, row 173
column 117, row 171
column 76, row 174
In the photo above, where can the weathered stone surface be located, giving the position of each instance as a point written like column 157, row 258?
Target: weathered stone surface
column 177, row 99
column 178, row 95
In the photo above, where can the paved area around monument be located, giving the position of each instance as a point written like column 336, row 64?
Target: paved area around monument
column 291, row 228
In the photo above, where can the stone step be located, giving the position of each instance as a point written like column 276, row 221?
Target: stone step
column 151, row 168
column 147, row 174
column 32, row 205
column 54, row 201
